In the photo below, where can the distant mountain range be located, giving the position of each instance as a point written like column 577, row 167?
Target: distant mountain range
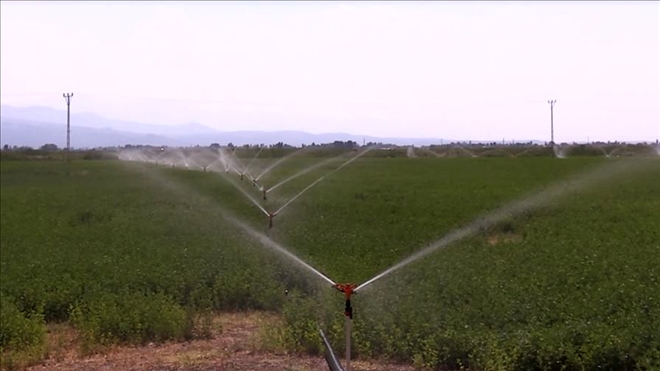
column 36, row 126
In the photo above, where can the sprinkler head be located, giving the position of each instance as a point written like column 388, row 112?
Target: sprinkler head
column 270, row 220
column 264, row 191
column 254, row 182
column 348, row 289
column 241, row 176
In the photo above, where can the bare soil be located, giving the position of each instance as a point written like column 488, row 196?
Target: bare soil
column 504, row 238
column 235, row 346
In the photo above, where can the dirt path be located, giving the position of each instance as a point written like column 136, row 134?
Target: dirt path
column 234, row 348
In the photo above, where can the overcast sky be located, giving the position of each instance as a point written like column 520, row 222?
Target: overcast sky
column 457, row 70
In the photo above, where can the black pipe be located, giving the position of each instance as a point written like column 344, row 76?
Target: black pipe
column 348, row 310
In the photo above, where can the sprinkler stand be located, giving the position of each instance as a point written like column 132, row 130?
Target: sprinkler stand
column 270, row 220
column 347, row 332
column 348, row 290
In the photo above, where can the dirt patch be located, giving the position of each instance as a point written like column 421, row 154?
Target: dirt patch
column 235, row 346
column 503, row 238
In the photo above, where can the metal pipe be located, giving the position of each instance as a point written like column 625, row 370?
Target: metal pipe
column 333, row 362
column 347, row 331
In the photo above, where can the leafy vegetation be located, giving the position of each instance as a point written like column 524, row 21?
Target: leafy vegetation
column 134, row 252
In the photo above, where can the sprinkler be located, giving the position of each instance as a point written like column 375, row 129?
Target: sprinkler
column 348, row 289
column 254, row 183
column 241, row 176
column 270, row 220
column 265, row 191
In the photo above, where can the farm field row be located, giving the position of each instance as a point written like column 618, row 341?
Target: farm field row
column 132, row 252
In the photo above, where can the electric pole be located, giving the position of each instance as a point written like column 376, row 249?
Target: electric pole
column 67, row 97
column 552, row 125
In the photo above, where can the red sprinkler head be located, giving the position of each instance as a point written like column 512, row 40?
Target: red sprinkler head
column 348, row 289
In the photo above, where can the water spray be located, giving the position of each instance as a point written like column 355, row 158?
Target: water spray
column 254, row 158
column 304, row 171
column 347, row 289
column 255, row 202
column 516, row 208
column 323, row 177
column 278, row 162
column 237, row 162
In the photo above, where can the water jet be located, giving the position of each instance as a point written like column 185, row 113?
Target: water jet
column 304, row 171
column 515, row 208
column 278, row 162
column 321, row 178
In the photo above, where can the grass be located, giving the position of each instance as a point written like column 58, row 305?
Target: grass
column 132, row 253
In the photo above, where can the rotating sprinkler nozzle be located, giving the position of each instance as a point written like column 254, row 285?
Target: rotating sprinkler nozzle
column 348, row 289
column 270, row 220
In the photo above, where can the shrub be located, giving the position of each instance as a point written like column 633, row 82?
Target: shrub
column 131, row 318
column 18, row 331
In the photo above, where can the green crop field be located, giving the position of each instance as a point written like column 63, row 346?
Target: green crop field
column 134, row 252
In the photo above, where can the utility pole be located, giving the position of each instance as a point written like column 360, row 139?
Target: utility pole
column 552, row 125
column 67, row 97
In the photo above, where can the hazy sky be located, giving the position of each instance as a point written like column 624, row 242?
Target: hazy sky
column 458, row 70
